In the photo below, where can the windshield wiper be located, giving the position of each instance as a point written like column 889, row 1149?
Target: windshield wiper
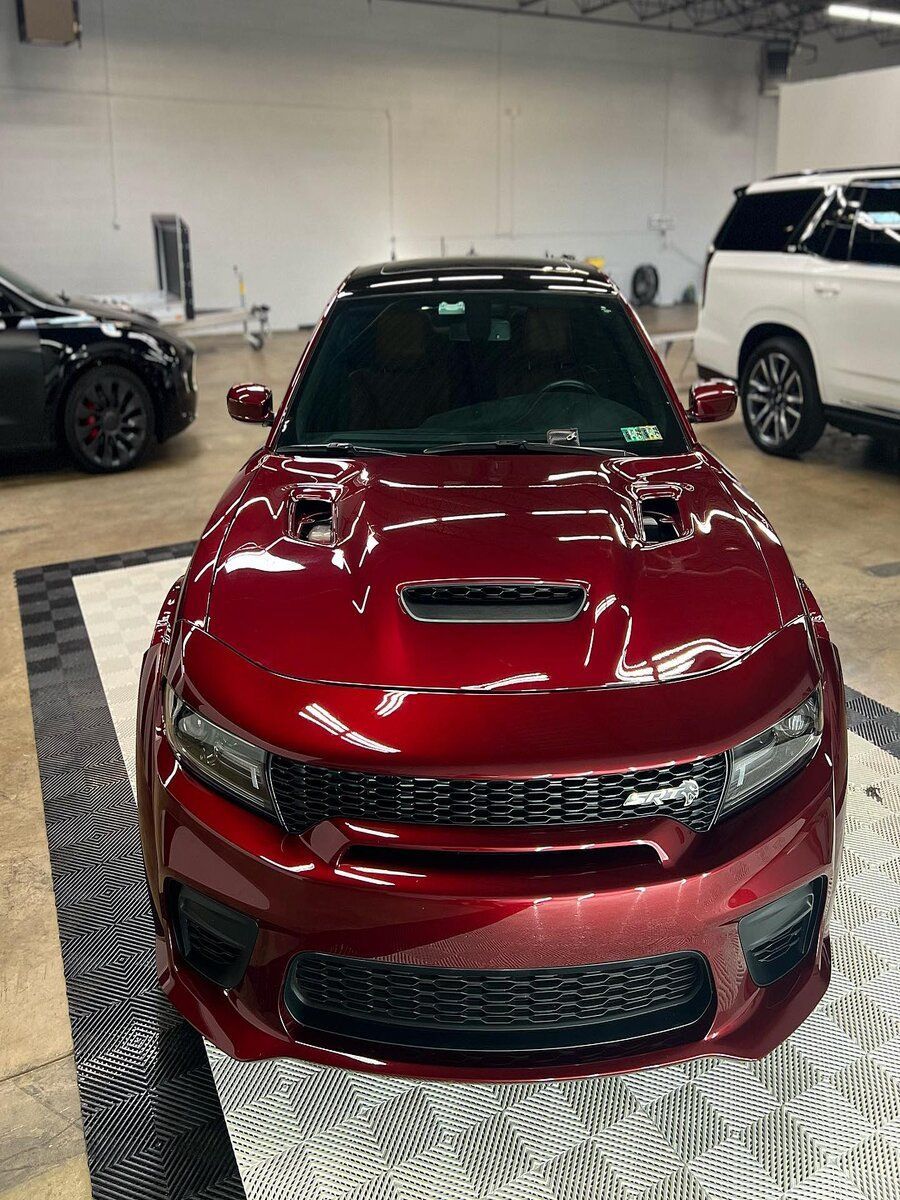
column 526, row 447
column 339, row 447
column 503, row 446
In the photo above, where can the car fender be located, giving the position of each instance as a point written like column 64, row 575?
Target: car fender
column 77, row 348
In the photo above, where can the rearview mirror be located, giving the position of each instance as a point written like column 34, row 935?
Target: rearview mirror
column 715, row 400
column 250, row 402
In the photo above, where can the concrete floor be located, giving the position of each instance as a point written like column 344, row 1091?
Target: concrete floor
column 838, row 512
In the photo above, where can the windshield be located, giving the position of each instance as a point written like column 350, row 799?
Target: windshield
column 25, row 288
column 421, row 371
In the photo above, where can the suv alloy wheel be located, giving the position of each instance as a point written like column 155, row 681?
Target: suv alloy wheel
column 780, row 398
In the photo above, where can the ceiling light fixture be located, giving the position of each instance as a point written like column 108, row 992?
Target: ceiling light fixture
column 856, row 12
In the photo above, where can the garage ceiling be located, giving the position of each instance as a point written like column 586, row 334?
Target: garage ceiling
column 788, row 21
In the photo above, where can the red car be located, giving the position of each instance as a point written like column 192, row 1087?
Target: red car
column 490, row 734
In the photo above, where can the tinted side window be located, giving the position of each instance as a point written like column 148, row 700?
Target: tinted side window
column 831, row 237
column 766, row 220
column 876, row 238
column 6, row 304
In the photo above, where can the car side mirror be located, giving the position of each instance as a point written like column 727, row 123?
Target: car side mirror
column 712, row 401
column 250, row 402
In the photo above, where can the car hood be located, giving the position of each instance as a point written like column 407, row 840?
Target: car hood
column 112, row 312
column 653, row 612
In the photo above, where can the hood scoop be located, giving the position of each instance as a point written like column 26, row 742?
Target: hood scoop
column 660, row 519
column 500, row 601
column 312, row 520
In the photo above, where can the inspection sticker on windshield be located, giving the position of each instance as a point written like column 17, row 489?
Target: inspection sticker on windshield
column 641, row 433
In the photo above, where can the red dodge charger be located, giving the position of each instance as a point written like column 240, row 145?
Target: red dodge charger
column 490, row 734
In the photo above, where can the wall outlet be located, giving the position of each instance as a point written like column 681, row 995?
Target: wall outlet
column 661, row 222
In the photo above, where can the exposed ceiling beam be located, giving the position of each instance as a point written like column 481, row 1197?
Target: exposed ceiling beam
column 748, row 20
column 484, row 6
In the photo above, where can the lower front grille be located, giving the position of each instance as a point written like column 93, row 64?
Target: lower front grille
column 216, row 941
column 554, row 1007
column 789, row 942
column 687, row 792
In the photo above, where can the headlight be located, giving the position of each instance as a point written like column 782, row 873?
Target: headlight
column 761, row 762
column 227, row 761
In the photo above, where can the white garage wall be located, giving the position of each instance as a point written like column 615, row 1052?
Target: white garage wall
column 862, row 126
column 300, row 138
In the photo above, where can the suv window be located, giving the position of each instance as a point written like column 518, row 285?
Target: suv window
column 876, row 238
column 766, row 220
column 10, row 303
column 831, row 237
column 20, row 288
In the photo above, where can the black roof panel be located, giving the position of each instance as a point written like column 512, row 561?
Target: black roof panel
column 438, row 271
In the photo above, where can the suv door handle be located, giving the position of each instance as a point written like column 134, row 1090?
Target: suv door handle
column 827, row 289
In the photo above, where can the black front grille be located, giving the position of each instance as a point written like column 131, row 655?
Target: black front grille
column 473, row 1009
column 789, row 942
column 207, row 945
column 307, row 794
column 215, row 940
column 493, row 601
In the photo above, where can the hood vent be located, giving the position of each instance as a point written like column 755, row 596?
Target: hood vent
column 313, row 521
column 500, row 601
column 660, row 520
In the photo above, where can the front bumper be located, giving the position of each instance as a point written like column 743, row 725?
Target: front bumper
column 686, row 892
column 178, row 407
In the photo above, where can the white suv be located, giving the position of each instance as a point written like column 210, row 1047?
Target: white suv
column 801, row 305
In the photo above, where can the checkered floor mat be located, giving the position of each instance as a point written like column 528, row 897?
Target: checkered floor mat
column 818, row 1118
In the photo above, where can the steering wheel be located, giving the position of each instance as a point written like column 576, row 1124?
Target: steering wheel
column 577, row 385
column 569, row 385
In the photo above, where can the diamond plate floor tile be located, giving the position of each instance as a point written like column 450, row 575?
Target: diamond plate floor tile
column 783, row 1148
column 730, row 1169
column 547, row 1124
column 887, row 1056
column 735, row 1093
column 639, row 1154
column 345, row 1157
column 601, row 1102
column 405, row 1127
column 830, row 1183
column 585, row 1173
column 689, row 1122
column 526, row 1187
column 820, row 1117
column 647, row 1086
column 829, row 1118
column 787, row 1072
column 825, row 1043
column 438, row 1173
column 153, row 1124
column 459, row 1108
column 874, row 1166
column 493, row 1153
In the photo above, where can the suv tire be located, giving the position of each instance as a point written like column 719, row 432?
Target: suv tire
column 108, row 420
column 780, row 398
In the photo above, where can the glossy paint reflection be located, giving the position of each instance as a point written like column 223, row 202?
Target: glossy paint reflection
column 654, row 612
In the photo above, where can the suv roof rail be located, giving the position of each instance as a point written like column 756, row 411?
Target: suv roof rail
column 833, row 170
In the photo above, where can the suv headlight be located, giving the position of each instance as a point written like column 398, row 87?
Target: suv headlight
column 761, row 762
column 225, row 760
